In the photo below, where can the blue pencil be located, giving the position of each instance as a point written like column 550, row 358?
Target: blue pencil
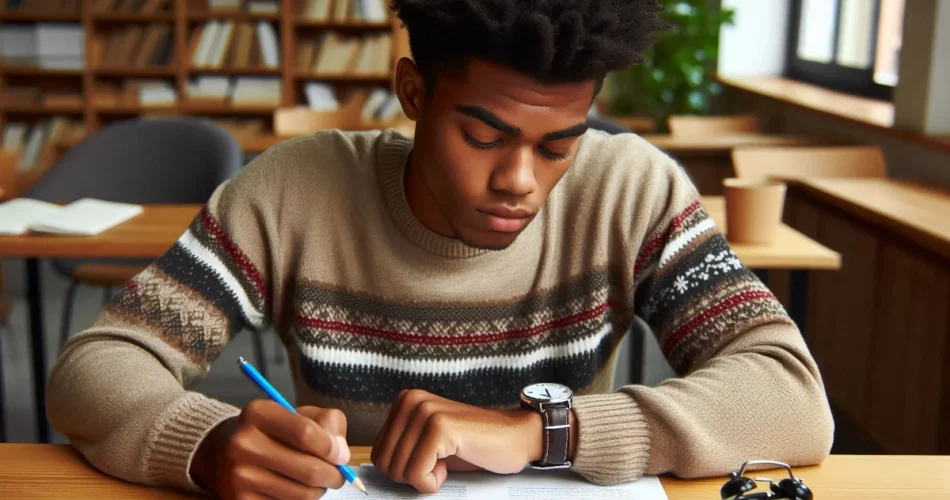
column 272, row 393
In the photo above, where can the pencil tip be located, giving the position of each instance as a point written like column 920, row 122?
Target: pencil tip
column 241, row 361
column 358, row 483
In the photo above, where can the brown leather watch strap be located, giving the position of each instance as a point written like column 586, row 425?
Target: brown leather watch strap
column 557, row 434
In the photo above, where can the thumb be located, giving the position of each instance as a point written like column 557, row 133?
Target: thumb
column 438, row 475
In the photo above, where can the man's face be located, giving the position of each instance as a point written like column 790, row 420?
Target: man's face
column 490, row 145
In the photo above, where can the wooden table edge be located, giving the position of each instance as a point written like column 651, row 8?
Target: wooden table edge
column 933, row 242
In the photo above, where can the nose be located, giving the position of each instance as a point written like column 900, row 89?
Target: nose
column 515, row 175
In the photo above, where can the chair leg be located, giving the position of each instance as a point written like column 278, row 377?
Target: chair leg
column 106, row 295
column 67, row 313
column 278, row 350
column 259, row 355
column 3, row 415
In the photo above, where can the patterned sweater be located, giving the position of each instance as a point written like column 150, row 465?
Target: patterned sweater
column 316, row 238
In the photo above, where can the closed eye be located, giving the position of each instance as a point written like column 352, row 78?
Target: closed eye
column 553, row 155
column 475, row 143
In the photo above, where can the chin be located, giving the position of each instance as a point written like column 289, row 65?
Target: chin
column 490, row 241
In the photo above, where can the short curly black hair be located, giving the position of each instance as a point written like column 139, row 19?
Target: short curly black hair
column 551, row 40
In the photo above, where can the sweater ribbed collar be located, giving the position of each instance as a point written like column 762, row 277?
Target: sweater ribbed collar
column 393, row 158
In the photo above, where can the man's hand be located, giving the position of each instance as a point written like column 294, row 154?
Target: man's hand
column 423, row 430
column 269, row 452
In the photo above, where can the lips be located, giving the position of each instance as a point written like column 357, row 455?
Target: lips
column 507, row 220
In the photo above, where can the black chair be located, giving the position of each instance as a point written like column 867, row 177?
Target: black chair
column 144, row 161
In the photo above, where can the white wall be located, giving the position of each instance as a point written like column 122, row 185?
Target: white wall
column 755, row 45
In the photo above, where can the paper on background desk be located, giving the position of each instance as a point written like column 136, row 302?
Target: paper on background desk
column 528, row 485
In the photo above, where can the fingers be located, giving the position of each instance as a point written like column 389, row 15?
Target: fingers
column 424, row 469
column 253, row 481
column 411, row 448
column 295, row 431
column 303, row 468
column 409, row 440
column 389, row 435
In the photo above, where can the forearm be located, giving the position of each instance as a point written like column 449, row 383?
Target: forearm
column 123, row 406
column 760, row 397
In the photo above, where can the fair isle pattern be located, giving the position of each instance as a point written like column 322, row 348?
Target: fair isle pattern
column 201, row 288
column 696, row 293
column 367, row 350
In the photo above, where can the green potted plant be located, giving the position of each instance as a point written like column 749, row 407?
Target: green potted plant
column 678, row 76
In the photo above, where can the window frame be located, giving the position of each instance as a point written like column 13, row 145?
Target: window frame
column 833, row 75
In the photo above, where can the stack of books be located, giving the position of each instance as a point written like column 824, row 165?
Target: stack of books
column 369, row 11
column 135, row 92
column 335, row 54
column 242, row 91
column 242, row 45
column 135, row 45
column 29, row 142
column 47, row 45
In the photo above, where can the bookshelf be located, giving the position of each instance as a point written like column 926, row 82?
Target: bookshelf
column 183, row 20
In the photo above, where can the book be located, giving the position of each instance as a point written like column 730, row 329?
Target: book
column 14, row 135
column 341, row 10
column 263, row 7
column 221, row 47
column 320, row 97
column 241, row 55
column 85, row 217
column 371, row 11
column 270, row 48
column 317, row 10
column 209, row 41
column 376, row 99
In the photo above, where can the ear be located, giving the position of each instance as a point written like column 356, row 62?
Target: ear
column 409, row 87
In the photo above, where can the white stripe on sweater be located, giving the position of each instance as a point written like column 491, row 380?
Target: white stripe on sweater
column 364, row 359
column 673, row 247
column 204, row 255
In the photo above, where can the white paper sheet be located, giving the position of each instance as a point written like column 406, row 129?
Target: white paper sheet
column 528, row 485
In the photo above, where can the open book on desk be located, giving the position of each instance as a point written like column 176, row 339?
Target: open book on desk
column 85, row 217
column 528, row 485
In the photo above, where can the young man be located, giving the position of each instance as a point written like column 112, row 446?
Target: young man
column 421, row 288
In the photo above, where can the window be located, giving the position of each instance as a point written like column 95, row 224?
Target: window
column 846, row 45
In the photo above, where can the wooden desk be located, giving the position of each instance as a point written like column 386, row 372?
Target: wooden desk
column 791, row 249
column 880, row 328
column 708, row 159
column 58, row 471
column 918, row 213
column 158, row 227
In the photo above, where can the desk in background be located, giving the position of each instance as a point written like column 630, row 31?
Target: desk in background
column 880, row 328
column 158, row 227
column 146, row 236
column 708, row 159
column 58, row 471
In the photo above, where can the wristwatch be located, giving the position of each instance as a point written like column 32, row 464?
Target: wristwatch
column 553, row 402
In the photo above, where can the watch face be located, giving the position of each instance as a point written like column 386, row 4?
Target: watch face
column 547, row 393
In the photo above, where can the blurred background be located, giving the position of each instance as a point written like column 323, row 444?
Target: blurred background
column 860, row 89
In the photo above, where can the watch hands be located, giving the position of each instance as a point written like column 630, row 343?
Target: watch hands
column 548, row 393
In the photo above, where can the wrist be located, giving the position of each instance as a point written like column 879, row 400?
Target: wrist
column 531, row 428
column 204, row 465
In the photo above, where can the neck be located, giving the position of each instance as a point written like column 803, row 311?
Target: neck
column 421, row 202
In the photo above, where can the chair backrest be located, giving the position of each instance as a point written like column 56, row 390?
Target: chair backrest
column 689, row 125
column 808, row 162
column 166, row 160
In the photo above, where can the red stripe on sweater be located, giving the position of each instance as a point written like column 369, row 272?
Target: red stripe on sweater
column 716, row 310
column 413, row 338
column 659, row 240
column 236, row 254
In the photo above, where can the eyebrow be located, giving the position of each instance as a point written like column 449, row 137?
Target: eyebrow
column 488, row 118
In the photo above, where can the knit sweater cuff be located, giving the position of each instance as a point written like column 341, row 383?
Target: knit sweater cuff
column 613, row 442
column 177, row 434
